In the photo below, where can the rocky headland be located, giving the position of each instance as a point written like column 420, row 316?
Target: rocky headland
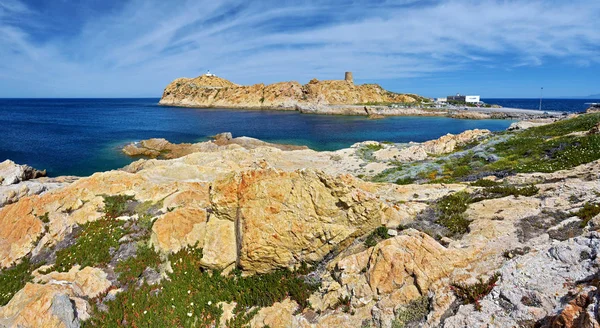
column 478, row 229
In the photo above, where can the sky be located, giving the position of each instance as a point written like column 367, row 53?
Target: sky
column 134, row 48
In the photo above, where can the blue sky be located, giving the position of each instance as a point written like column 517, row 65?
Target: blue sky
column 120, row 48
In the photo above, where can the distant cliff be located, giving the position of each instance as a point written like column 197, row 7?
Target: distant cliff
column 315, row 96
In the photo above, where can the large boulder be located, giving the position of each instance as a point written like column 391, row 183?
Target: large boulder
column 284, row 218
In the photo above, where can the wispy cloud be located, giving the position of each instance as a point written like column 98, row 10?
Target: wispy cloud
column 137, row 47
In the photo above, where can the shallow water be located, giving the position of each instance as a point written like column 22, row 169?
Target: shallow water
column 82, row 136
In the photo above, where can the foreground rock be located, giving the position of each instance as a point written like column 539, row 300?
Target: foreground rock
column 381, row 254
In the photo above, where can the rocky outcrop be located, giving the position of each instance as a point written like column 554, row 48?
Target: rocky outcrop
column 443, row 145
column 161, row 148
column 212, row 91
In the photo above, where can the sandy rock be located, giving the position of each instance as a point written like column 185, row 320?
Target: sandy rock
column 91, row 281
column 20, row 231
column 280, row 314
column 179, row 229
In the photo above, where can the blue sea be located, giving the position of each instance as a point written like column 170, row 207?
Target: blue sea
column 83, row 136
column 558, row 105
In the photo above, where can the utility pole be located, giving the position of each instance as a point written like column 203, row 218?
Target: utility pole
column 541, row 96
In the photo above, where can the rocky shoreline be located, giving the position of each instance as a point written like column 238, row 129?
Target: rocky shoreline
column 469, row 230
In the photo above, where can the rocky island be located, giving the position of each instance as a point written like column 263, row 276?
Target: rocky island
column 330, row 97
column 478, row 229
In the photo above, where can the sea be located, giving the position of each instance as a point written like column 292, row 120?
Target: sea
column 83, row 136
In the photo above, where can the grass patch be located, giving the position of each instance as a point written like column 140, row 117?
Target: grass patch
column 377, row 235
column 472, row 294
column 588, row 212
column 413, row 313
column 14, row 279
column 189, row 297
column 451, row 212
column 115, row 206
column 92, row 246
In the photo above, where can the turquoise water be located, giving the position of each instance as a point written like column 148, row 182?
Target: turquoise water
column 83, row 136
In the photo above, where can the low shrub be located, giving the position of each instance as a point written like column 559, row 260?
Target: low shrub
column 451, row 209
column 413, row 313
column 588, row 212
column 377, row 235
column 115, row 206
column 472, row 294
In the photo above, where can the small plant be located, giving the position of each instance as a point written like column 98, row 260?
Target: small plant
column 472, row 294
column 344, row 302
column 115, row 206
column 412, row 313
column 44, row 218
column 587, row 213
column 404, row 181
column 380, row 233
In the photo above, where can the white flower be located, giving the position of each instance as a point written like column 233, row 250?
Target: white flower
column 192, row 304
column 132, row 304
column 189, row 291
column 145, row 312
column 189, row 314
column 209, row 302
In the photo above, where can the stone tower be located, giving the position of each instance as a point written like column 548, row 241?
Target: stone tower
column 349, row 78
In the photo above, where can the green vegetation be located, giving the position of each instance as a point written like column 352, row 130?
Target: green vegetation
column 132, row 268
column 44, row 218
column 404, row 181
column 472, row 294
column 93, row 245
column 500, row 191
column 115, row 206
column 366, row 151
column 189, row 297
column 549, row 148
column 413, row 313
column 451, row 212
column 14, row 279
column 588, row 212
column 377, row 235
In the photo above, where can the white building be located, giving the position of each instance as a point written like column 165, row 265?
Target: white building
column 208, row 73
column 472, row 99
column 441, row 100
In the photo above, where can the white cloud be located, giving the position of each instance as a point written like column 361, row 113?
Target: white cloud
column 141, row 47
